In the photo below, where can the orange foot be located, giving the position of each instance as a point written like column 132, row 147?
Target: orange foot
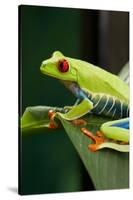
column 79, row 122
column 52, row 123
column 51, row 113
column 98, row 138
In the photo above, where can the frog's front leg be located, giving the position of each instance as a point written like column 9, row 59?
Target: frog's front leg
column 73, row 113
column 68, row 108
column 117, row 130
column 77, row 111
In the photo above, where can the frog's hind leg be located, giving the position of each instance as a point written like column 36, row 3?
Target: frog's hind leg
column 117, row 129
column 98, row 139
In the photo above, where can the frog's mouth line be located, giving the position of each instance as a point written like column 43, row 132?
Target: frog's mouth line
column 64, row 82
column 46, row 73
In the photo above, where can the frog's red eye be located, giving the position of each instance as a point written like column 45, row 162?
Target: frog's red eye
column 63, row 65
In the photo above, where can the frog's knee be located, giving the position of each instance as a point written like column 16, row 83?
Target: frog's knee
column 103, row 127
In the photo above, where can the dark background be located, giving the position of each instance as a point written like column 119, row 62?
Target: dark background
column 48, row 162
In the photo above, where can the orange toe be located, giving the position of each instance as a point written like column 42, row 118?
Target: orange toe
column 51, row 113
column 98, row 138
column 53, row 125
column 79, row 122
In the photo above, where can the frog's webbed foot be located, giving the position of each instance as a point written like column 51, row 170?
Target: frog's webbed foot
column 102, row 142
column 52, row 123
column 79, row 122
column 98, row 138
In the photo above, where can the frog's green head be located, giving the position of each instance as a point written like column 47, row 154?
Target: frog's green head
column 60, row 67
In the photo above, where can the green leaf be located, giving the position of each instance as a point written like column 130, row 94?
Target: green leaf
column 109, row 169
column 36, row 117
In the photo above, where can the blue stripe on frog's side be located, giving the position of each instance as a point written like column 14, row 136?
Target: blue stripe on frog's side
column 104, row 104
column 109, row 106
column 122, row 124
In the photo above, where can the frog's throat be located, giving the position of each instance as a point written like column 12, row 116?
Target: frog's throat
column 71, row 85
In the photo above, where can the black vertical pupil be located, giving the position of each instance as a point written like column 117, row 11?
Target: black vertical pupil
column 62, row 65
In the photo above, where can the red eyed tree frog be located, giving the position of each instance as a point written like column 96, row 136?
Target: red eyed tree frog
column 97, row 91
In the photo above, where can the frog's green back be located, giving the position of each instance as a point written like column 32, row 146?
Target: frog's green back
column 87, row 76
column 98, row 80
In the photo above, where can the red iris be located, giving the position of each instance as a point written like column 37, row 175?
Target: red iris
column 63, row 65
